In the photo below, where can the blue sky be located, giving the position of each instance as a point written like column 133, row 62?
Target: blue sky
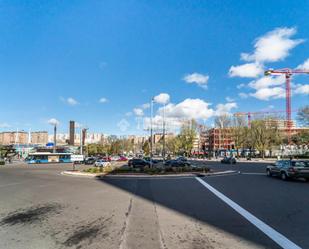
column 58, row 59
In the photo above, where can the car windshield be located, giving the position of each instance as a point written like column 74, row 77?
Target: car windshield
column 300, row 164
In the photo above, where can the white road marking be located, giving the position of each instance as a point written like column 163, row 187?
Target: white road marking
column 244, row 173
column 12, row 184
column 269, row 231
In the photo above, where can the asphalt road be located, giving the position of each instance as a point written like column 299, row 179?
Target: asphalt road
column 40, row 208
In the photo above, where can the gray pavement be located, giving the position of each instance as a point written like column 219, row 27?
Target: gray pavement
column 40, row 208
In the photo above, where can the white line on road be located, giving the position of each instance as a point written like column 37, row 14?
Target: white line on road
column 270, row 232
column 244, row 173
column 12, row 184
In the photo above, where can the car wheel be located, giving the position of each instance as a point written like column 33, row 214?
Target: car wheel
column 283, row 176
column 268, row 172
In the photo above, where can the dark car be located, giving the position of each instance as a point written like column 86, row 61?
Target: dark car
column 152, row 161
column 182, row 158
column 137, row 163
column 229, row 160
column 90, row 160
column 177, row 163
column 287, row 169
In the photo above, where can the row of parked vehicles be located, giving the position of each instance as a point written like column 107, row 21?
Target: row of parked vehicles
column 104, row 161
column 142, row 162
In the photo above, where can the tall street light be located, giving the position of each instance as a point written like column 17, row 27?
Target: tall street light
column 54, row 122
column 151, row 128
column 163, row 135
column 163, row 98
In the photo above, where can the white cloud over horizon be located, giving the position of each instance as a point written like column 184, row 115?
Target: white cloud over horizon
column 273, row 46
column 138, row 112
column 53, row 121
column 222, row 109
column 304, row 66
column 103, row 100
column 70, row 101
column 162, row 98
column 197, row 78
column 248, row 70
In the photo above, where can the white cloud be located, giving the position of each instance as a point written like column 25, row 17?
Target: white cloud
column 243, row 95
column 225, row 108
column 128, row 114
column 103, row 100
column 188, row 109
column 267, row 81
column 241, row 86
column 162, row 98
column 269, row 93
column 229, row 99
column 304, row 66
column 273, row 46
column 53, row 121
column 270, row 107
column 302, row 89
column 249, row 70
column 157, row 123
column 197, row 78
column 71, row 101
column 138, row 112
column 4, row 125
column 145, row 106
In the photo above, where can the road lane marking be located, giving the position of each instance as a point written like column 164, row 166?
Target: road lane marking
column 248, row 173
column 12, row 184
column 269, row 231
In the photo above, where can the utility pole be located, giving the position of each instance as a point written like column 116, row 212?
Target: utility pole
column 55, row 138
column 81, row 140
column 151, row 129
column 163, row 135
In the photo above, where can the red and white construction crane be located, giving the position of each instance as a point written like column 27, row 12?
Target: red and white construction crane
column 288, row 74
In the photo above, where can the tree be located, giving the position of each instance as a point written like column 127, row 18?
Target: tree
column 186, row 137
column 264, row 134
column 301, row 138
column 146, row 148
column 240, row 132
column 173, row 145
column 303, row 116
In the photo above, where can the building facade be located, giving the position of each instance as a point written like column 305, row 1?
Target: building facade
column 39, row 137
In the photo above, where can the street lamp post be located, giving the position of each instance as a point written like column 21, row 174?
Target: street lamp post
column 55, row 138
column 163, row 135
column 151, row 129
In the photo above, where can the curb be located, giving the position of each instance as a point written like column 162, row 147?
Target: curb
column 82, row 174
column 101, row 175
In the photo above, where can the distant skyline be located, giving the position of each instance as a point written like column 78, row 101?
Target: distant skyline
column 101, row 63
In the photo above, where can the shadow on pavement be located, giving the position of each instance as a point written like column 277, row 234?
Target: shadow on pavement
column 188, row 197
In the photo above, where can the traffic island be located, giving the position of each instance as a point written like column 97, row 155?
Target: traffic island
column 125, row 171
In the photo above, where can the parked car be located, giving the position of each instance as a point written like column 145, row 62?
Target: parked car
column 287, row 169
column 229, row 160
column 137, row 162
column 182, row 158
column 90, row 160
column 107, row 158
column 101, row 163
column 122, row 159
column 177, row 163
column 153, row 161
